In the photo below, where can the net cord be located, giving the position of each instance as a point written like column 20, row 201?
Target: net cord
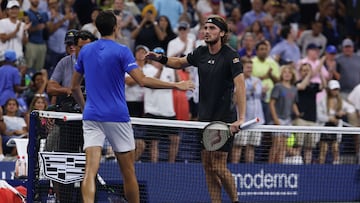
column 201, row 125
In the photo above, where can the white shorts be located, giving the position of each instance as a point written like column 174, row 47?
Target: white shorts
column 119, row 134
column 245, row 137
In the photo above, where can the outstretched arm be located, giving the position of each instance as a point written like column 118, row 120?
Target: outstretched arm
column 143, row 80
column 171, row 62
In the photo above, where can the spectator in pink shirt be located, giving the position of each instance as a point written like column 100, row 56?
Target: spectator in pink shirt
column 319, row 72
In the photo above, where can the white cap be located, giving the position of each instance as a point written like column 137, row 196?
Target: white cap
column 12, row 3
column 334, row 84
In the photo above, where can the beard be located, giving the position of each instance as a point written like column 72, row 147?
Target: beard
column 212, row 42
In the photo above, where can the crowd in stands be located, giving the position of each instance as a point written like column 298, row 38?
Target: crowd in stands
column 300, row 59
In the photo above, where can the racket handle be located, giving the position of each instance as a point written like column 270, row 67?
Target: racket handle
column 249, row 123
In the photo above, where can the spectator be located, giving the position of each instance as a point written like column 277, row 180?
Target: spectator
column 236, row 16
column 40, row 103
column 330, row 63
column 247, row 45
column 70, row 42
column 127, row 22
column 148, row 33
column 35, row 51
column 158, row 103
column 82, row 9
column 275, row 10
column 181, row 46
column 349, row 68
column 13, row 32
column 267, row 70
column 70, row 8
column 15, row 126
column 287, row 51
column 282, row 105
column 333, row 28
column 233, row 38
column 133, row 7
column 255, row 14
column 60, row 81
column 354, row 99
column 134, row 95
column 10, row 78
column 165, row 26
column 58, row 26
column 306, row 103
column 271, row 30
column 2, row 131
column 249, row 139
column 319, row 73
column 70, row 133
column 291, row 14
column 331, row 110
column 352, row 20
column 313, row 36
column 204, row 6
column 215, row 9
column 257, row 30
column 173, row 9
column 38, row 86
column 91, row 27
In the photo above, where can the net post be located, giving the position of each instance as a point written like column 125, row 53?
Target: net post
column 31, row 158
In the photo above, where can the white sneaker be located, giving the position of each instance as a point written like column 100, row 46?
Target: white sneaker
column 1, row 157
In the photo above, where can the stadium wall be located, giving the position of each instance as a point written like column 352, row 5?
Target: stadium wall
column 185, row 182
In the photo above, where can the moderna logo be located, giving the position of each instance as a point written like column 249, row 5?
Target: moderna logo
column 261, row 183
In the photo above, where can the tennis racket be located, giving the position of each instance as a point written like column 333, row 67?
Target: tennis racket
column 216, row 133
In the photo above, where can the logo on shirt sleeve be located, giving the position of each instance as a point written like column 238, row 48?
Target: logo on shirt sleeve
column 236, row 60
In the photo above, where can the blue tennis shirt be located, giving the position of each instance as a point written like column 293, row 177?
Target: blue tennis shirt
column 104, row 64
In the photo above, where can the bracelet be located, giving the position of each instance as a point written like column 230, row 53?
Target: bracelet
column 163, row 60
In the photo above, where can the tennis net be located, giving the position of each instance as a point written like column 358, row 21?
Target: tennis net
column 169, row 169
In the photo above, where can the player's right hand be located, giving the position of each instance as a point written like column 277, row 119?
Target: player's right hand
column 185, row 85
column 153, row 56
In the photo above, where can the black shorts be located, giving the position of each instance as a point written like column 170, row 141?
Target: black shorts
column 157, row 132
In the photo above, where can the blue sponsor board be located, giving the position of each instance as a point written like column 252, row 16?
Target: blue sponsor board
column 185, row 182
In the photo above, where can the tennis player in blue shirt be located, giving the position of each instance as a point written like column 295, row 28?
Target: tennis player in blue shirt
column 105, row 113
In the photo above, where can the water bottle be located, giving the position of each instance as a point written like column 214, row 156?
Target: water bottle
column 22, row 167
column 17, row 166
column 51, row 198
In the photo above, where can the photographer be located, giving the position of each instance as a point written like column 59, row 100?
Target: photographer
column 148, row 33
column 69, row 138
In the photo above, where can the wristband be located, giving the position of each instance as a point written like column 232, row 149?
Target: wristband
column 163, row 60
